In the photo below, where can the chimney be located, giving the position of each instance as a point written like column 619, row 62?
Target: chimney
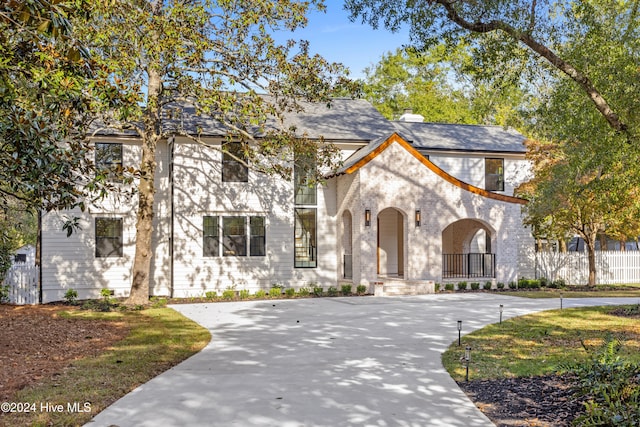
column 408, row 116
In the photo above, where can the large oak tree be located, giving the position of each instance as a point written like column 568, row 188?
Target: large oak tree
column 217, row 56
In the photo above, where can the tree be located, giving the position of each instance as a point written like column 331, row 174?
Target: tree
column 217, row 56
column 539, row 26
column 586, row 173
column 443, row 86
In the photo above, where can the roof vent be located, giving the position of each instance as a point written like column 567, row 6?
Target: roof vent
column 408, row 116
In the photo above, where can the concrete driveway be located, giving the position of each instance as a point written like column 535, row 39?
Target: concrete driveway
column 323, row 362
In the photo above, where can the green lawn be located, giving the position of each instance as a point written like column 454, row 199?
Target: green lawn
column 538, row 343
column 159, row 338
column 631, row 290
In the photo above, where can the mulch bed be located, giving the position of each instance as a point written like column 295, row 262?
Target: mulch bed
column 37, row 343
column 544, row 401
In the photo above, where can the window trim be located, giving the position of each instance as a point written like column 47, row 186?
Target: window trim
column 120, row 239
column 234, row 170
column 112, row 168
column 314, row 249
column 499, row 176
column 263, row 237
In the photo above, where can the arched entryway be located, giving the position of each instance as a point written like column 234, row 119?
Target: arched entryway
column 468, row 250
column 391, row 251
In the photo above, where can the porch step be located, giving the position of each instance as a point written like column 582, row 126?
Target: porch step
column 397, row 287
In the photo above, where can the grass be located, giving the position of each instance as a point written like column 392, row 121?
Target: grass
column 158, row 339
column 537, row 344
column 600, row 291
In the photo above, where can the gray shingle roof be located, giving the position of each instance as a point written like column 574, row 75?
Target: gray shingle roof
column 440, row 136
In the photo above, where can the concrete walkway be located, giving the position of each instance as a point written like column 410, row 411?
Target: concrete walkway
column 323, row 362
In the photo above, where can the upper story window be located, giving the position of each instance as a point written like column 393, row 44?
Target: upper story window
column 304, row 172
column 108, row 237
column 109, row 160
column 494, row 174
column 234, row 163
column 231, row 234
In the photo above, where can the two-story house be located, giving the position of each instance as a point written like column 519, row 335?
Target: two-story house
column 412, row 204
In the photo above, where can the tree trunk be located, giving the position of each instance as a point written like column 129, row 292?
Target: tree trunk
column 146, row 191
column 590, row 241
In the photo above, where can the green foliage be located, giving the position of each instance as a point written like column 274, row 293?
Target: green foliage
column 361, row 289
column 4, row 294
column 290, row 292
column 275, row 291
column 229, row 293
column 474, row 286
column 318, row 291
column 346, row 289
column 158, row 302
column 211, row 294
column 612, row 385
column 332, row 291
column 487, row 285
column 462, row 286
column 500, row 285
column 106, row 294
column 524, row 283
column 304, row 292
column 513, row 285
column 244, row 294
column 449, row 286
column 71, row 296
column 260, row 293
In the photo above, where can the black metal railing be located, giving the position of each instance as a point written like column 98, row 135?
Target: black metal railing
column 347, row 266
column 468, row 265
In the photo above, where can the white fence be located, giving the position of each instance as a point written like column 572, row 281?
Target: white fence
column 612, row 267
column 23, row 284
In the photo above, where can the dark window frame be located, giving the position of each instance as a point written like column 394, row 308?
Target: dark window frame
column 234, row 170
column 305, row 189
column 493, row 179
column 104, row 233
column 234, row 238
column 108, row 164
column 210, row 236
column 257, row 236
column 310, row 249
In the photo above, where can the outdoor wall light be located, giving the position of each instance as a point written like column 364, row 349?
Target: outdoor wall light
column 418, row 217
column 367, row 217
column 459, row 329
column 467, row 360
column 501, row 308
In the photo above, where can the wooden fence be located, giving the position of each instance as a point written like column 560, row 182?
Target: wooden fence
column 612, row 267
column 22, row 281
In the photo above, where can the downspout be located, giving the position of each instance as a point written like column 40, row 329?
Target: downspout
column 171, row 143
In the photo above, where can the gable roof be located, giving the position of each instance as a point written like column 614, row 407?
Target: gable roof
column 455, row 137
column 375, row 148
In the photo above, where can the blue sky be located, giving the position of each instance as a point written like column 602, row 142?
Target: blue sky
column 337, row 39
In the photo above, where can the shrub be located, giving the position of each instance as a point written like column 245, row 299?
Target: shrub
column 332, row 291
column 612, row 385
column 543, row 282
column 449, row 287
column 4, row 294
column 346, row 289
column 304, row 292
column 436, row 287
column 158, row 302
column 361, row 289
column 211, row 294
column 462, row 286
column 513, row 285
column 290, row 292
column 487, row 285
column 106, row 294
column 475, row 286
column 528, row 283
column 318, row 291
column 71, row 296
column 260, row 293
column 244, row 294
column 229, row 293
column 559, row 283
column 275, row 291
column 500, row 285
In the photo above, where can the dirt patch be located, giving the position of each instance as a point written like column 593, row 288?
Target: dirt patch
column 544, row 401
column 36, row 342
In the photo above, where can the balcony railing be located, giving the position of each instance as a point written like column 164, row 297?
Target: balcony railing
column 468, row 265
column 347, row 266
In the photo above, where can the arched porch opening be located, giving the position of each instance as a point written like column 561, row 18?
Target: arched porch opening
column 391, row 246
column 468, row 250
